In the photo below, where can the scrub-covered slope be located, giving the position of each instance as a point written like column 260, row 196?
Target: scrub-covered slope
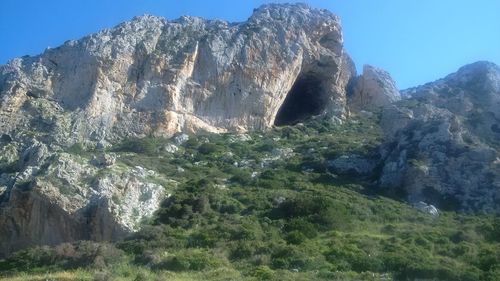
column 283, row 205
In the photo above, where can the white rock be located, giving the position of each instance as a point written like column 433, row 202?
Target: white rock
column 181, row 138
column 171, row 148
column 424, row 207
column 373, row 89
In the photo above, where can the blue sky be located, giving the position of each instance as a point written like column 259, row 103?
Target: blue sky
column 416, row 41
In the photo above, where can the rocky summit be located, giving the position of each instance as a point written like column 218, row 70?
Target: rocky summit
column 191, row 123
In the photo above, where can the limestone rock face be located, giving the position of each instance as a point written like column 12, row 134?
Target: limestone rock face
column 443, row 142
column 151, row 76
column 373, row 89
column 75, row 200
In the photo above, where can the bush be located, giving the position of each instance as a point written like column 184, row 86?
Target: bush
column 204, row 239
column 303, row 226
column 76, row 148
column 146, row 145
column 248, row 231
column 263, row 272
column 64, row 256
column 243, row 177
column 302, row 207
column 242, row 250
column 295, row 237
column 208, row 148
column 190, row 260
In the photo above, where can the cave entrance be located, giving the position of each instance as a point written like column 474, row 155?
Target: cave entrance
column 305, row 99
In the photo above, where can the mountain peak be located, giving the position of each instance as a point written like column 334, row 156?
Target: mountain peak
column 292, row 13
column 481, row 76
column 480, row 66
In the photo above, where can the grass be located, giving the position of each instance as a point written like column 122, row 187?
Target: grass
column 82, row 275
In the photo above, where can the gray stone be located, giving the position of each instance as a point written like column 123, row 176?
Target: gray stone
column 72, row 201
column 429, row 209
column 375, row 88
column 171, row 148
column 441, row 140
column 181, row 138
column 103, row 160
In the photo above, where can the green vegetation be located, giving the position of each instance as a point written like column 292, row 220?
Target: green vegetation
column 243, row 210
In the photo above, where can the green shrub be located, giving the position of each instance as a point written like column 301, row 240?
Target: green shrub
column 76, row 148
column 65, row 256
column 242, row 250
column 8, row 168
column 204, row 239
column 302, row 206
column 147, row 145
column 303, row 226
column 295, row 237
column 263, row 272
column 208, row 148
column 192, row 143
column 190, row 260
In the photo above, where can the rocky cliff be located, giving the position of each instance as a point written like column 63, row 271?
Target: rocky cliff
column 150, row 77
column 373, row 89
column 443, row 141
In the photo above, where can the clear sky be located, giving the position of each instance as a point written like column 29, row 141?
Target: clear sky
column 417, row 41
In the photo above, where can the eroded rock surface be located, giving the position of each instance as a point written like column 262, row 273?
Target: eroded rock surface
column 373, row 89
column 72, row 199
column 152, row 76
column 443, row 144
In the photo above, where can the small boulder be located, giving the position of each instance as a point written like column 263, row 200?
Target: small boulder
column 103, row 160
column 427, row 208
column 34, row 155
column 171, row 148
column 102, row 145
column 181, row 138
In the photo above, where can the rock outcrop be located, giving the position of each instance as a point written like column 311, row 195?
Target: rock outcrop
column 67, row 198
column 443, row 142
column 373, row 89
column 150, row 77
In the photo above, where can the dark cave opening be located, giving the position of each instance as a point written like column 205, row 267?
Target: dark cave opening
column 305, row 99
